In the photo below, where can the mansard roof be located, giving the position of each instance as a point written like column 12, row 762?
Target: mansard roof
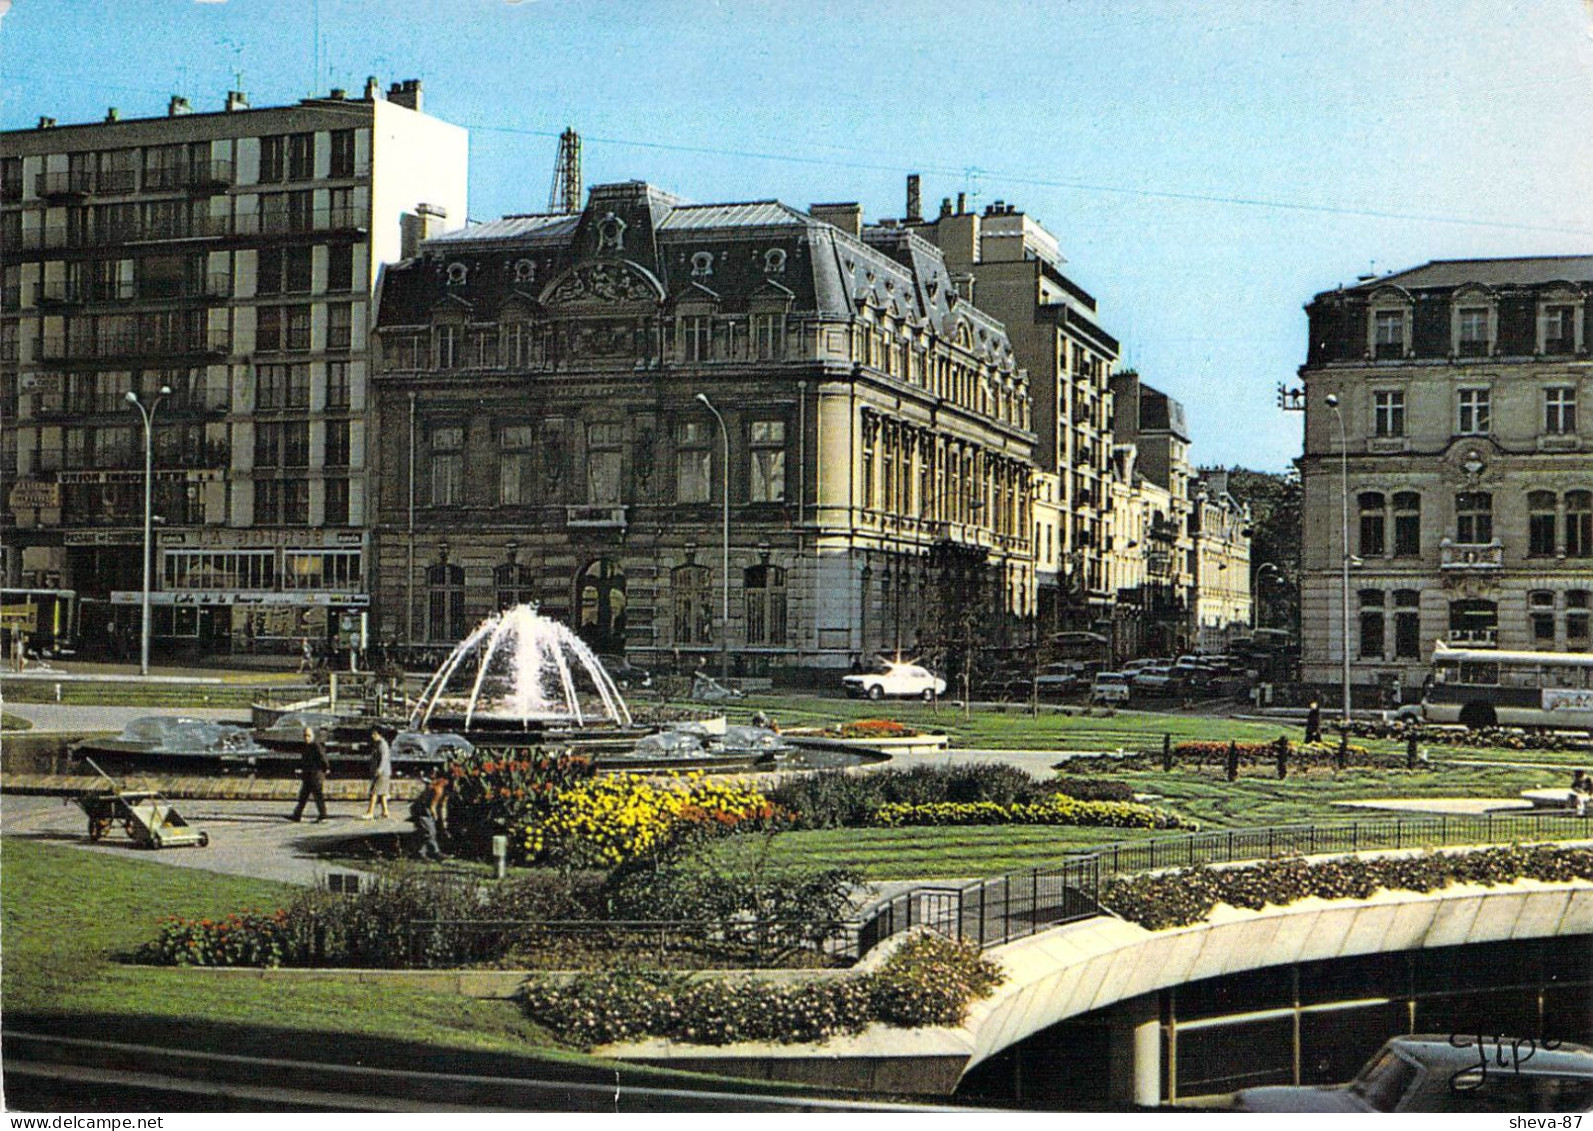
column 1451, row 274
column 737, row 251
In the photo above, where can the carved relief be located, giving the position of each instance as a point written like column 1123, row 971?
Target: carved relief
column 604, row 283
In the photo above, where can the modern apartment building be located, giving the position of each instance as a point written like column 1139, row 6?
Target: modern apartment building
column 1461, row 427
column 564, row 402
column 230, row 257
column 1009, row 264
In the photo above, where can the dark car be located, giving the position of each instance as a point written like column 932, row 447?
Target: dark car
column 625, row 674
column 1442, row 1074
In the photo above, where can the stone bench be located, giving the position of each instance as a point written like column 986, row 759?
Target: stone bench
column 1550, row 798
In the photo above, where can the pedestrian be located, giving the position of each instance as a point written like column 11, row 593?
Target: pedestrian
column 381, row 774
column 1313, row 723
column 313, row 768
column 1581, row 790
column 306, row 656
column 429, row 811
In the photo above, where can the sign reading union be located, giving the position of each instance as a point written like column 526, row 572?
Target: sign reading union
column 1567, row 699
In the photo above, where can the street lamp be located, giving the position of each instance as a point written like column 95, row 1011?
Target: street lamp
column 724, row 468
column 149, row 479
column 1258, row 597
column 1344, row 536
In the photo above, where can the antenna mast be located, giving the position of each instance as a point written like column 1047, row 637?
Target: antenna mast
column 565, row 195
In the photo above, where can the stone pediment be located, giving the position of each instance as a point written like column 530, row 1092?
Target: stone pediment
column 604, row 283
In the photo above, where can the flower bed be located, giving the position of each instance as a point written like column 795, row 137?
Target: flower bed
column 1185, row 896
column 1057, row 810
column 929, row 980
column 1505, row 738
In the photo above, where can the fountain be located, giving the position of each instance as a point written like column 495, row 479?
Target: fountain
column 520, row 671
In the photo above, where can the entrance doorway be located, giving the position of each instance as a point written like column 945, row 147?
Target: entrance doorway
column 600, row 597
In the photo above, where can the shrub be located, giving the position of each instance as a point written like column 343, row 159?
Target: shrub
column 1057, row 810
column 493, row 796
column 1176, row 899
column 837, row 799
column 245, row 938
column 928, row 981
column 1094, row 789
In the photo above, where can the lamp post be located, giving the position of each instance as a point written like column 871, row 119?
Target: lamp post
column 1257, row 597
column 1344, row 536
column 148, row 415
column 724, row 470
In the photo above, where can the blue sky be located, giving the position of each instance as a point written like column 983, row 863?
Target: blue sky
column 1207, row 166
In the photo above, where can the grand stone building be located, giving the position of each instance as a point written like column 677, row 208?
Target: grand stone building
column 549, row 406
column 1461, row 390
column 231, row 257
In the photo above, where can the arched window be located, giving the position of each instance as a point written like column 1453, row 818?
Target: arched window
column 693, row 602
column 1371, row 624
column 513, row 582
column 1579, row 524
column 1540, row 524
column 765, row 596
column 445, row 614
column 1373, row 525
column 1473, row 518
column 1407, row 525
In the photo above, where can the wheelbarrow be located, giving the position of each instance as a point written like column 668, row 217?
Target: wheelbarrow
column 145, row 816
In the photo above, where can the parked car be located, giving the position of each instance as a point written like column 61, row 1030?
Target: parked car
column 1110, row 687
column 625, row 674
column 1056, row 680
column 1441, row 1074
column 896, row 680
column 1161, row 679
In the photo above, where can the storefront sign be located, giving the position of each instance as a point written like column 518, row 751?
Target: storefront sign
column 102, row 538
column 224, row 597
column 28, row 494
column 19, row 618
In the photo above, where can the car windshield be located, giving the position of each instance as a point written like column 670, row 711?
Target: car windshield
column 1384, row 1081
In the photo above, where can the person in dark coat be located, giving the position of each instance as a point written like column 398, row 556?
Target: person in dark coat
column 1313, row 724
column 313, row 768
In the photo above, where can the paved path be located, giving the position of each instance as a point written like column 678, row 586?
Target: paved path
column 247, row 838
column 47, row 717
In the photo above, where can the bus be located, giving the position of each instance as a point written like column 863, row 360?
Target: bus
column 1483, row 687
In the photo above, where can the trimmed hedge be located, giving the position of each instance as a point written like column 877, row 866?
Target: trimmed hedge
column 928, row 981
column 1185, row 896
column 1057, row 810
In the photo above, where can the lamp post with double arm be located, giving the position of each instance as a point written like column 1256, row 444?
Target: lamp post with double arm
column 148, row 415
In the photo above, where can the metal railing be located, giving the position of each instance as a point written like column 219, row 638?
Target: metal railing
column 994, row 911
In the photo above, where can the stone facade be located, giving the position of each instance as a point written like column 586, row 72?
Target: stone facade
column 232, row 257
column 552, row 408
column 1462, row 389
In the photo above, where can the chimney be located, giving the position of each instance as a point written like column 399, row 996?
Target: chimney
column 962, row 203
column 422, row 224
column 373, row 89
column 177, row 107
column 945, row 207
column 46, row 123
column 848, row 216
column 915, row 204
column 338, row 94
column 112, row 114
column 406, row 94
column 237, row 100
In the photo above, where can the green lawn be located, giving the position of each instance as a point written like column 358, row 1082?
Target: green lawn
column 13, row 722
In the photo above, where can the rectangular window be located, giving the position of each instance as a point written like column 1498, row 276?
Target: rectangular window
column 340, row 268
column 603, row 455
column 515, row 465
column 1542, row 521
column 1578, row 622
column 337, row 391
column 342, row 156
column 1543, row 630
column 1371, row 624
column 1373, row 528
column 697, row 338
column 768, row 333
column 337, row 443
column 1388, row 413
column 1578, row 524
column 267, row 502
column 693, row 463
column 447, row 466
column 339, row 325
column 1407, row 525
column 295, row 502
column 446, row 341
column 301, row 157
column 1389, row 331
column 284, row 270
column 273, row 159
column 1474, row 518
column 336, row 502
column 767, row 443
column 1475, row 412
column 296, row 444
column 267, row 444
column 1559, row 329
column 1473, row 331
column 1407, row 635
column 1559, row 410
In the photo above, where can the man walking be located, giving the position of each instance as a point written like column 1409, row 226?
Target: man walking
column 1313, row 724
column 313, row 768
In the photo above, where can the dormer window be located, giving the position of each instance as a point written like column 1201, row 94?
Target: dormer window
column 1559, row 329
column 1388, row 334
column 525, row 271
column 774, row 261
column 1473, row 337
column 702, row 264
column 457, row 272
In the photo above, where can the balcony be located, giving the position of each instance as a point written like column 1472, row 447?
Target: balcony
column 595, row 517
column 294, row 223
column 201, row 178
column 1458, row 558
column 80, row 183
column 135, row 344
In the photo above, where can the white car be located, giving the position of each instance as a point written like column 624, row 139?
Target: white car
column 1110, row 687
column 907, row 681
